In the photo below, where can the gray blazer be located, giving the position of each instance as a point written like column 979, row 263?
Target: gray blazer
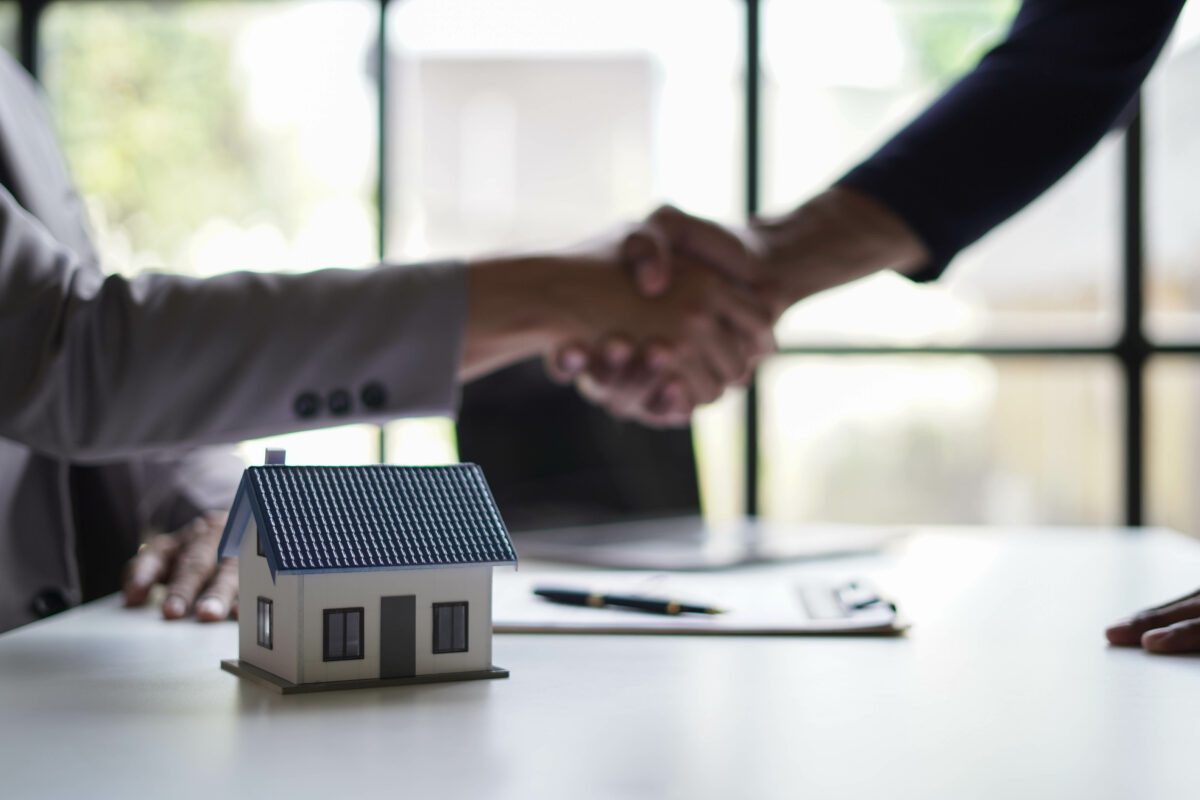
column 110, row 388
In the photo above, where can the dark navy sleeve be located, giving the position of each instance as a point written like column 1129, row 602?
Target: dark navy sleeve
column 1029, row 111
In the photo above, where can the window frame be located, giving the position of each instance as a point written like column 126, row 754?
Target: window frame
column 466, row 627
column 266, row 642
column 1131, row 349
column 326, row 615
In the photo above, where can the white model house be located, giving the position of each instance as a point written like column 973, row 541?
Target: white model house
column 364, row 576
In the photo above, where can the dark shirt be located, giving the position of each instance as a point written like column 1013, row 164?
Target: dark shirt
column 1029, row 111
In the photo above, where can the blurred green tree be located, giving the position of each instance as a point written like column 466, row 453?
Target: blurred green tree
column 9, row 16
column 949, row 36
column 151, row 120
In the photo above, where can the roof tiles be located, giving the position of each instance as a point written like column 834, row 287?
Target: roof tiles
column 378, row 517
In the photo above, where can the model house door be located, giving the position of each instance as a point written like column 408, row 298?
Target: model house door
column 397, row 636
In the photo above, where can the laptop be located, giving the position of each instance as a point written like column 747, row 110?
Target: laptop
column 576, row 486
column 690, row 543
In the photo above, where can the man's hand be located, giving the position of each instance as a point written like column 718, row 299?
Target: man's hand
column 669, row 248
column 186, row 561
column 1170, row 628
column 838, row 236
column 652, row 248
column 698, row 337
column 672, row 352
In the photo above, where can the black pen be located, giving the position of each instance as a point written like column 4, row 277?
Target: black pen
column 863, row 601
column 651, row 605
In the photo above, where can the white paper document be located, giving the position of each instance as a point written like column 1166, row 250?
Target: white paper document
column 752, row 604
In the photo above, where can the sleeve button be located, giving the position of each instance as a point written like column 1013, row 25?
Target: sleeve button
column 373, row 395
column 49, row 602
column 306, row 405
column 339, row 402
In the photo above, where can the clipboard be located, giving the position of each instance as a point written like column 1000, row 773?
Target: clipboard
column 754, row 605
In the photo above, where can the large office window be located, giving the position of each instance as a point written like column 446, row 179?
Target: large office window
column 214, row 136
column 449, row 628
column 266, row 623
column 1033, row 383
column 343, row 634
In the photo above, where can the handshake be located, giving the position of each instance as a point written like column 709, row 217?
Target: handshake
column 694, row 316
column 649, row 323
column 663, row 317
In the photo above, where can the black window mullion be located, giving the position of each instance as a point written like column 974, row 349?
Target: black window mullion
column 1133, row 350
column 753, row 70
column 27, row 35
column 381, row 166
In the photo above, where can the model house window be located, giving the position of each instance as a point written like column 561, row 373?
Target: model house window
column 449, row 627
column 266, row 623
column 258, row 543
column 343, row 634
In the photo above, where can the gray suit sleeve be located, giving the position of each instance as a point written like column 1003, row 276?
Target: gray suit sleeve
column 177, row 487
column 102, row 367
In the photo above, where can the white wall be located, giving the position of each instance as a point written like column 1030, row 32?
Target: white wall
column 351, row 589
column 254, row 578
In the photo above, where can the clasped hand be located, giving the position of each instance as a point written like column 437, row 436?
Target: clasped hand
column 706, row 318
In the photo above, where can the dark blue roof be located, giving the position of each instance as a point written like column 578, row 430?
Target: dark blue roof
column 330, row 519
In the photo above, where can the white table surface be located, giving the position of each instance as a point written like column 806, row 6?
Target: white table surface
column 1004, row 688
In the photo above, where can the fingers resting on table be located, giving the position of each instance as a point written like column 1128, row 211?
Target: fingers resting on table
column 1173, row 627
column 185, row 562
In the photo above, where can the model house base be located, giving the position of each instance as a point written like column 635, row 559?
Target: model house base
column 279, row 685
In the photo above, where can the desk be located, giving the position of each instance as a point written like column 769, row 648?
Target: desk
column 1004, row 688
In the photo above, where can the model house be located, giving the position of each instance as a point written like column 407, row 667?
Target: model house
column 364, row 576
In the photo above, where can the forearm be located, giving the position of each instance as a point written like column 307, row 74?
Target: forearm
column 704, row 330
column 99, row 368
column 523, row 306
column 509, row 316
column 836, row 237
